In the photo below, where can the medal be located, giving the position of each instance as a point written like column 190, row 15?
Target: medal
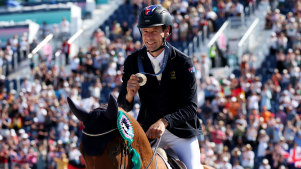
column 142, row 79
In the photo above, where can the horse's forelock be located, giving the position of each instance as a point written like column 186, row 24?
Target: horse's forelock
column 98, row 120
column 97, row 112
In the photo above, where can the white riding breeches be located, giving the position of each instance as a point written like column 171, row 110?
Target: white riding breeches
column 188, row 150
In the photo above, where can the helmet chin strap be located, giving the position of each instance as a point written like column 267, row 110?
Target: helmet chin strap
column 162, row 46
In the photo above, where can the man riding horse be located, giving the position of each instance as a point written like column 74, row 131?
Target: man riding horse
column 169, row 95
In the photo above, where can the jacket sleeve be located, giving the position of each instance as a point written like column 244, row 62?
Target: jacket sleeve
column 188, row 92
column 127, row 72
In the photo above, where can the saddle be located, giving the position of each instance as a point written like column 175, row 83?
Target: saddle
column 170, row 158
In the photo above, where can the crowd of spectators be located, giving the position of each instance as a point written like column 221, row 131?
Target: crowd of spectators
column 192, row 16
column 252, row 119
column 247, row 122
column 15, row 50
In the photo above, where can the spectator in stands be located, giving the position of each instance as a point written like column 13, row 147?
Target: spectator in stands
column 183, row 30
column 62, row 161
column 218, row 137
column 65, row 28
column 66, row 50
column 45, row 29
column 8, row 57
column 136, row 32
column 248, row 157
column 98, row 36
column 117, row 30
column 74, row 64
column 265, row 164
column 239, row 8
column 253, row 101
column 74, row 154
column 14, row 43
column 212, row 16
column 24, row 46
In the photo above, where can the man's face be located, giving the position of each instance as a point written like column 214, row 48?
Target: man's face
column 153, row 37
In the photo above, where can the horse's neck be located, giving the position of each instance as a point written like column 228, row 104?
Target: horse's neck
column 141, row 144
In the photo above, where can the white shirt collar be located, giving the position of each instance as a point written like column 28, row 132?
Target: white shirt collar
column 158, row 58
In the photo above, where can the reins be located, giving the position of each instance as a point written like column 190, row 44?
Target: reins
column 154, row 154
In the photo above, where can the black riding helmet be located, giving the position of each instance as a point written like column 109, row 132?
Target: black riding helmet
column 155, row 15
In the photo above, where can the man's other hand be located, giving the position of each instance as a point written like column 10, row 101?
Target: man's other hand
column 156, row 130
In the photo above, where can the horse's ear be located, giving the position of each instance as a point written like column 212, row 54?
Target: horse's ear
column 112, row 110
column 80, row 113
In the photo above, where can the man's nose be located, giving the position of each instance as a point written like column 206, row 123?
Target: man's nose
column 148, row 36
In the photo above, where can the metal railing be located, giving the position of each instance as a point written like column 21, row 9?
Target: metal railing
column 198, row 44
column 246, row 42
column 194, row 46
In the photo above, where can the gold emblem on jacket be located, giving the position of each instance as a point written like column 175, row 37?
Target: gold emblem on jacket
column 173, row 75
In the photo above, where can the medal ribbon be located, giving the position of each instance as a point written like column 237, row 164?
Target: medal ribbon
column 140, row 65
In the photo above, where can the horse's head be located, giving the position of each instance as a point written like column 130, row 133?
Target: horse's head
column 98, row 120
column 101, row 142
column 100, row 126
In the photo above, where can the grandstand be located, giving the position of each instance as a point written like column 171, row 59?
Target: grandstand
column 247, row 59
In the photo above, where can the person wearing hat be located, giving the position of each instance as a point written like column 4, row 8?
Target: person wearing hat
column 74, row 155
column 265, row 164
column 248, row 157
column 168, row 96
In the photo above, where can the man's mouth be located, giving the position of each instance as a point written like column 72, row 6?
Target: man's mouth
column 150, row 43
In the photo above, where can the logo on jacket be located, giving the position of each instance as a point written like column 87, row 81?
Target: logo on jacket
column 173, row 75
column 191, row 70
column 149, row 9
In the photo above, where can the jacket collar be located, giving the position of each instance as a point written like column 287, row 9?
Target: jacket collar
column 148, row 65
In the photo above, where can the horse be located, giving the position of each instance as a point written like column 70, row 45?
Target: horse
column 103, row 147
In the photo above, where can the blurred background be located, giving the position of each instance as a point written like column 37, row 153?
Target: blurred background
column 247, row 59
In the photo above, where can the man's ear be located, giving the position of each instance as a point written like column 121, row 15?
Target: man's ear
column 166, row 31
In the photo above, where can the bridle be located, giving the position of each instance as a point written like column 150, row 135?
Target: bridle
column 123, row 147
column 101, row 134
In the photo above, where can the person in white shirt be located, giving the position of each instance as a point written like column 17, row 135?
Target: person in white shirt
column 265, row 164
column 24, row 47
column 253, row 101
column 236, row 165
column 74, row 154
column 225, row 164
column 248, row 157
column 64, row 26
column 239, row 8
column 263, row 144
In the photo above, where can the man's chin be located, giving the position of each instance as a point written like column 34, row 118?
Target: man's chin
column 150, row 48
